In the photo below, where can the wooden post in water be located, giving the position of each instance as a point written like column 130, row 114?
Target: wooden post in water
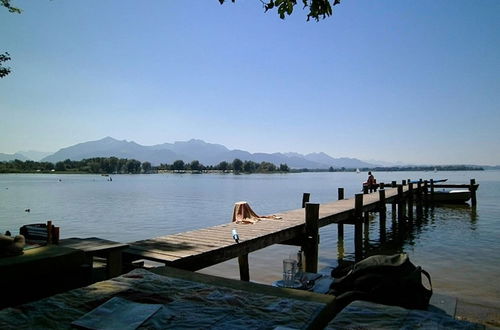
column 410, row 200
column 432, row 190
column 310, row 246
column 358, row 227
column 473, row 192
column 244, row 269
column 426, row 192
column 305, row 199
column 341, row 193
column 365, row 189
column 401, row 203
column 49, row 232
column 382, row 207
column 382, row 185
column 404, row 182
column 340, row 230
column 340, row 226
column 419, row 199
column 382, row 214
column 394, row 201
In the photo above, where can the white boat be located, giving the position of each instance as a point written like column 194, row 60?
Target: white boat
column 357, row 170
column 451, row 196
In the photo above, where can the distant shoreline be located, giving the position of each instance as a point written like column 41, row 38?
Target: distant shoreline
column 168, row 172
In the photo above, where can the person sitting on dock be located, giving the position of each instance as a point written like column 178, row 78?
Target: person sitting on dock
column 371, row 183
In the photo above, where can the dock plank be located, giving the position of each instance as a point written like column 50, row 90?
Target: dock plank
column 197, row 249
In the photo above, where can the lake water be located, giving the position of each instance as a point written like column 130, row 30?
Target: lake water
column 459, row 246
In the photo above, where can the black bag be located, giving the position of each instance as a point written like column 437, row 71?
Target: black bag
column 389, row 280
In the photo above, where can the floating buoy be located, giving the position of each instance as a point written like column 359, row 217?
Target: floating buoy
column 27, row 210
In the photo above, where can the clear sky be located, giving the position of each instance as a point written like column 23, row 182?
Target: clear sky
column 395, row 80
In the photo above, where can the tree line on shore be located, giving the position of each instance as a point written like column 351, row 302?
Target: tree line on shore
column 422, row 168
column 114, row 165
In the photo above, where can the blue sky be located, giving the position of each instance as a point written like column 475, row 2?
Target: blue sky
column 410, row 81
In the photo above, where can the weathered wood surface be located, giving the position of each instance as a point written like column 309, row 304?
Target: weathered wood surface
column 201, row 248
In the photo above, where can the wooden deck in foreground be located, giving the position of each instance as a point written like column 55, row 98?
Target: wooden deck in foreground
column 197, row 249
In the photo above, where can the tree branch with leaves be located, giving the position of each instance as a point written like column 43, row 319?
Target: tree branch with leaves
column 6, row 4
column 318, row 9
column 5, row 56
column 4, row 70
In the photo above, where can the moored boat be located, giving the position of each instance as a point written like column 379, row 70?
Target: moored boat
column 451, row 196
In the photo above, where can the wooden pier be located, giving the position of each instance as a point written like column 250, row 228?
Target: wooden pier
column 197, row 249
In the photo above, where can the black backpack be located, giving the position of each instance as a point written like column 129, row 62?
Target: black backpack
column 389, row 280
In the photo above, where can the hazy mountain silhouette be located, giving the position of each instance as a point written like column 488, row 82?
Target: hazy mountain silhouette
column 34, row 155
column 206, row 153
column 9, row 157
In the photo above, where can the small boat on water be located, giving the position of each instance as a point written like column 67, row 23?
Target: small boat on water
column 451, row 196
column 435, row 180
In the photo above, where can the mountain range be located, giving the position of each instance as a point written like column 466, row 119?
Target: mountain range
column 206, row 153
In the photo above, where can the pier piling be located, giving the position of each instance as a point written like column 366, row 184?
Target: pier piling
column 358, row 227
column 340, row 226
column 473, row 189
column 305, row 199
column 244, row 268
column 311, row 240
column 410, row 200
column 401, row 203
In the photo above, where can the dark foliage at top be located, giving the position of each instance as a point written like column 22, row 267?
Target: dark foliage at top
column 4, row 70
column 318, row 9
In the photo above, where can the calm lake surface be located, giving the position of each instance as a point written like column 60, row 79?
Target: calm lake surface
column 459, row 246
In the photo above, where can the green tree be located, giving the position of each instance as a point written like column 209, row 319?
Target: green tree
column 133, row 166
column 223, row 166
column 317, row 8
column 237, row 165
column 267, row 167
column 122, row 165
column 46, row 166
column 249, row 166
column 105, row 165
column 60, row 166
column 146, row 167
column 195, row 166
column 113, row 165
column 178, row 165
column 284, row 168
column 330, row 169
column 94, row 167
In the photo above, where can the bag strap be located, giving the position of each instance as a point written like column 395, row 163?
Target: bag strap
column 426, row 275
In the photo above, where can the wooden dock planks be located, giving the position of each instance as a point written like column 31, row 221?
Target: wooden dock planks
column 201, row 248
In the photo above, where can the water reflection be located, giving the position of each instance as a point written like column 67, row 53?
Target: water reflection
column 386, row 233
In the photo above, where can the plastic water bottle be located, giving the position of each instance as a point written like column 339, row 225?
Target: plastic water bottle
column 236, row 237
